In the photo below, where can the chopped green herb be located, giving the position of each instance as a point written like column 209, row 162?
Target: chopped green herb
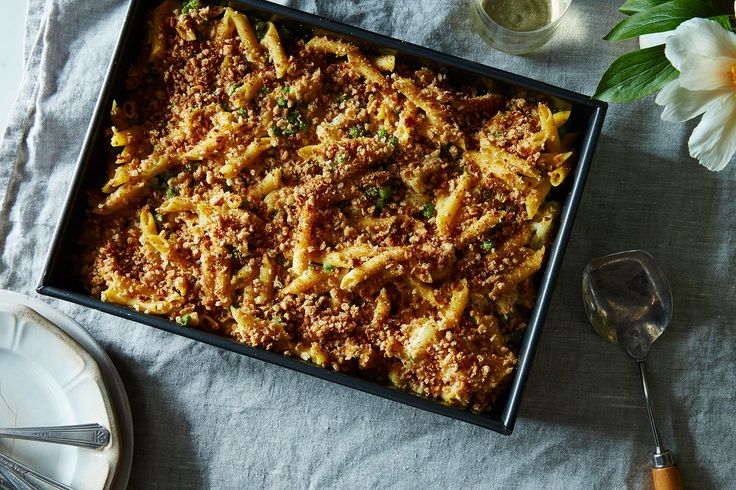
column 380, row 196
column 265, row 90
column 296, row 124
column 428, row 210
column 286, row 89
column 515, row 337
column 342, row 98
column 328, row 267
column 242, row 112
column 261, row 28
column 135, row 121
column 188, row 5
column 340, row 159
column 394, row 141
column 191, row 165
column 499, row 134
column 487, row 245
column 281, row 102
column 165, row 176
column 237, row 255
column 233, row 88
column 277, row 131
column 171, row 192
column 185, row 320
column 278, row 319
column 159, row 217
column 224, row 106
column 382, row 134
column 356, row 131
column 285, row 34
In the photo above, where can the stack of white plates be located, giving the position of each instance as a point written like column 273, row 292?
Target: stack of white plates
column 52, row 372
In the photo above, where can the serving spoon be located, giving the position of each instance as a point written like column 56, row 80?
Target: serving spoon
column 629, row 302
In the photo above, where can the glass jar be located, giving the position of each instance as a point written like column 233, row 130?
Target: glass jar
column 517, row 41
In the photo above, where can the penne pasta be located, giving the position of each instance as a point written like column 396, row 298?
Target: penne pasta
column 347, row 208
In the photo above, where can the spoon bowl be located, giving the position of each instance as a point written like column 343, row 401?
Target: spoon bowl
column 628, row 300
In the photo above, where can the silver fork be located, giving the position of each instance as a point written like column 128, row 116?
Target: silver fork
column 5, row 484
column 90, row 436
column 21, row 477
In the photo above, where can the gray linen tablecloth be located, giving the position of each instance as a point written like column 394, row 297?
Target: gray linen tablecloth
column 209, row 418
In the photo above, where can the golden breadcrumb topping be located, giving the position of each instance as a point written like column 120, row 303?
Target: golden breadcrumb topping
column 342, row 207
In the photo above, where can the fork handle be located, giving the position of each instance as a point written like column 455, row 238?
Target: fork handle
column 12, row 480
column 21, row 477
column 90, row 436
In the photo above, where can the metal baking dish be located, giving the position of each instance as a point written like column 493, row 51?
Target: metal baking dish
column 57, row 279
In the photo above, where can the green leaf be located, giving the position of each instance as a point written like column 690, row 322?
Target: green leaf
column 631, row 7
column 261, row 28
column 635, row 75
column 662, row 18
column 724, row 20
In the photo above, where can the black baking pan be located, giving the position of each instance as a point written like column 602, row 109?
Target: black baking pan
column 58, row 278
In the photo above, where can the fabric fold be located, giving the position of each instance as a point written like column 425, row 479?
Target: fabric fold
column 209, row 418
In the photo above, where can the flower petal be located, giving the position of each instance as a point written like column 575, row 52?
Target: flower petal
column 700, row 37
column 703, row 73
column 681, row 104
column 713, row 142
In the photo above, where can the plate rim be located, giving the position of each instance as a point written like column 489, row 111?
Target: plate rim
column 109, row 376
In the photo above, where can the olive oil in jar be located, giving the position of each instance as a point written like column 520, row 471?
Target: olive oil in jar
column 519, row 15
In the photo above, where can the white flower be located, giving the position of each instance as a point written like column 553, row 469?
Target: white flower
column 705, row 54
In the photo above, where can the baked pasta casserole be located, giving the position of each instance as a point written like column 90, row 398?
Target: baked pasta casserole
column 298, row 194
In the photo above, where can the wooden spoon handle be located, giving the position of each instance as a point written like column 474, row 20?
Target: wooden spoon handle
column 667, row 478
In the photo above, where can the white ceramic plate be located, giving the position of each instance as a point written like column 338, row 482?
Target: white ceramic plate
column 48, row 377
